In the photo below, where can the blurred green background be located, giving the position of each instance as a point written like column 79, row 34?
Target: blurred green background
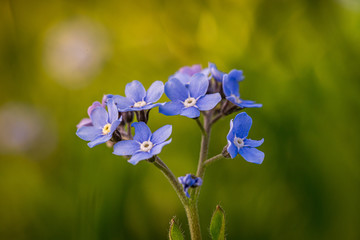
column 300, row 59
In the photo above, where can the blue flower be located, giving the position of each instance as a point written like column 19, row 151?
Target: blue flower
column 185, row 73
column 238, row 142
column 231, row 91
column 103, row 124
column 234, row 74
column 87, row 121
column 189, row 101
column 189, row 181
column 145, row 144
column 137, row 98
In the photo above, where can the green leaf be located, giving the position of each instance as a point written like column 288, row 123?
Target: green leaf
column 217, row 225
column 175, row 232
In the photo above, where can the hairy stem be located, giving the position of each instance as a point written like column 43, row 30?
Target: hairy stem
column 172, row 179
column 213, row 159
column 190, row 207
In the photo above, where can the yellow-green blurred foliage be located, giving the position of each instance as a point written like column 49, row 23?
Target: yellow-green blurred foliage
column 300, row 59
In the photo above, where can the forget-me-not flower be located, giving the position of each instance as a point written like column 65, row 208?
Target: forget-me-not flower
column 103, row 124
column 145, row 144
column 189, row 101
column 189, row 181
column 236, row 75
column 185, row 73
column 137, row 98
column 238, row 143
column 232, row 93
column 87, row 121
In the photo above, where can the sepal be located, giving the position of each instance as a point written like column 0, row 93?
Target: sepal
column 217, row 224
column 175, row 232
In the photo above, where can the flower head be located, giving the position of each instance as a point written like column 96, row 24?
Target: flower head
column 145, row 144
column 103, row 124
column 231, row 91
column 189, row 101
column 185, row 73
column 236, row 75
column 87, row 121
column 137, row 98
column 189, row 181
column 238, row 143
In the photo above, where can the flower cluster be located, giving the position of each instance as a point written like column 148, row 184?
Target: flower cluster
column 192, row 91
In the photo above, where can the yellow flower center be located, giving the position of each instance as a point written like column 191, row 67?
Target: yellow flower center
column 106, row 129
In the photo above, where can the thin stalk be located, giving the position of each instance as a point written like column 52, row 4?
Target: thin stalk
column 213, row 159
column 172, row 179
column 190, row 208
column 200, row 125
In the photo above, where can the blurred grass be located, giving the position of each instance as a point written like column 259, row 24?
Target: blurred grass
column 301, row 60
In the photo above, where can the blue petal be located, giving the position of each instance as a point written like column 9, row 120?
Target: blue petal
column 123, row 102
column 245, row 104
column 206, row 72
column 198, row 86
column 99, row 140
column 230, row 87
column 157, row 148
column 154, row 92
column 175, row 90
column 236, row 75
column 190, row 112
column 113, row 111
column 114, row 125
column 88, row 133
column 171, row 108
column 137, row 157
column 217, row 75
column 142, row 132
column 135, row 90
column 232, row 149
column 151, row 105
column 253, row 143
column 99, row 117
column 208, row 101
column 242, row 125
column 127, row 147
column 161, row 134
column 252, row 155
column 84, row 122
column 182, row 77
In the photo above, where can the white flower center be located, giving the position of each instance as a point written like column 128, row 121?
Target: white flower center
column 140, row 104
column 146, row 146
column 106, row 129
column 239, row 142
column 189, row 102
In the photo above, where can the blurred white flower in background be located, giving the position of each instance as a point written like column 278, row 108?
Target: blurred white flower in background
column 26, row 130
column 75, row 52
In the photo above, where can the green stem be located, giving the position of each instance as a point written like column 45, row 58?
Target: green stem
column 190, row 207
column 193, row 219
column 205, row 139
column 200, row 125
column 173, row 180
column 213, row 159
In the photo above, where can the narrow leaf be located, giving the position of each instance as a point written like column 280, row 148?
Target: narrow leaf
column 217, row 225
column 175, row 232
